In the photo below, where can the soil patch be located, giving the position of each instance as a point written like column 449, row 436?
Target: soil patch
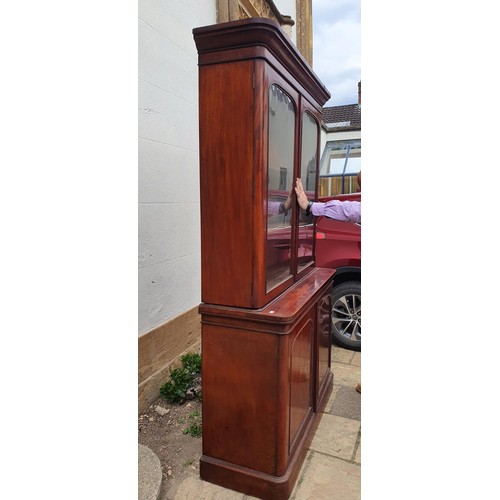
column 163, row 428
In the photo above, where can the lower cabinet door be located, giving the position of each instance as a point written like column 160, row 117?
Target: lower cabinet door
column 301, row 379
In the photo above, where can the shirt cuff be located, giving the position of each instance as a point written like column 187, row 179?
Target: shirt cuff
column 317, row 208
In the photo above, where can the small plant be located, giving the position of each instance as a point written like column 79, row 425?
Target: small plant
column 174, row 390
column 182, row 379
column 194, row 428
column 191, row 362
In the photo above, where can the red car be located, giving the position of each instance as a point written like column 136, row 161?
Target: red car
column 338, row 246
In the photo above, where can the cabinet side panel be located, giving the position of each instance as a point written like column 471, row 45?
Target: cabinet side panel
column 226, row 171
column 240, row 397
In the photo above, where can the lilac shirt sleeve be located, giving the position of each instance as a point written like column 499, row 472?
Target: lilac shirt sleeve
column 345, row 211
column 273, row 207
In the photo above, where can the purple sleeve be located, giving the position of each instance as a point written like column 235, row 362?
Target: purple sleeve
column 273, row 207
column 345, row 211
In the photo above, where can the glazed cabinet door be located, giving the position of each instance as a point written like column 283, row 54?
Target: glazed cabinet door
column 280, row 113
column 309, row 174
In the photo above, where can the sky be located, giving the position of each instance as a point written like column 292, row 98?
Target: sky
column 337, row 48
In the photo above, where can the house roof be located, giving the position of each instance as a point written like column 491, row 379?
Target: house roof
column 340, row 118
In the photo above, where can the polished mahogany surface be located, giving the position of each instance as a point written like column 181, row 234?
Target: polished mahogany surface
column 227, row 173
column 265, row 312
column 283, row 309
column 259, row 115
column 230, row 41
column 265, row 377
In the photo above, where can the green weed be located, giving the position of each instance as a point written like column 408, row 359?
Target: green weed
column 194, row 428
column 181, row 379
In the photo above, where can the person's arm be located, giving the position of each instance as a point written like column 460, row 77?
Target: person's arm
column 275, row 207
column 287, row 205
column 345, row 211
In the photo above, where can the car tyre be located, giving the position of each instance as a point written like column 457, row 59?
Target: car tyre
column 346, row 315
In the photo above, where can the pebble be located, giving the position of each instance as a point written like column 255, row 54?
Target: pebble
column 162, row 411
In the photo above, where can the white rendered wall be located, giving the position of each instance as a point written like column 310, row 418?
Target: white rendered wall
column 169, row 210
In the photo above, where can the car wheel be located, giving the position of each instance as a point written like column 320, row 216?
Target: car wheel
column 346, row 315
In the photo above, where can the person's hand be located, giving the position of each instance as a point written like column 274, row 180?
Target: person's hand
column 301, row 195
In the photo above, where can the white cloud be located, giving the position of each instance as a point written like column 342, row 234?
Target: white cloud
column 337, row 48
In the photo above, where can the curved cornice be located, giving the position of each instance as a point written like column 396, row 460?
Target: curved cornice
column 259, row 32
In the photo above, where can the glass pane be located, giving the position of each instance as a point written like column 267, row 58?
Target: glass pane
column 308, row 162
column 353, row 165
column 279, row 185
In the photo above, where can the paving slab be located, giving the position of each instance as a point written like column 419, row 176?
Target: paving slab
column 341, row 355
column 356, row 359
column 328, row 478
column 345, row 374
column 150, row 474
column 347, row 403
column 193, row 488
column 331, row 399
column 336, row 436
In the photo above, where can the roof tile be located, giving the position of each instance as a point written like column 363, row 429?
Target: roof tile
column 347, row 117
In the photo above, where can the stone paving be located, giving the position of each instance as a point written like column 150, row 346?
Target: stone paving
column 332, row 468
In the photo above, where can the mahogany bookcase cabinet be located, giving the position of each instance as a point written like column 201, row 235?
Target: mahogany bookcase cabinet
column 266, row 309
